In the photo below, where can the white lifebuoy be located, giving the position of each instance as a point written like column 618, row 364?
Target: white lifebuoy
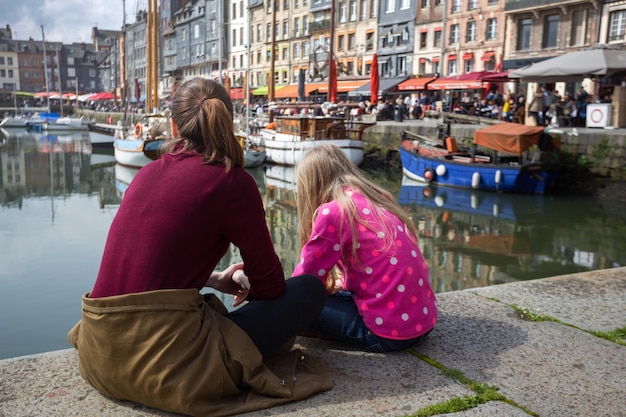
column 440, row 201
column 441, row 170
column 475, row 180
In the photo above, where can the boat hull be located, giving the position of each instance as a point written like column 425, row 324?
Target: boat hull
column 253, row 158
column 103, row 134
column 285, row 152
column 524, row 179
column 136, row 153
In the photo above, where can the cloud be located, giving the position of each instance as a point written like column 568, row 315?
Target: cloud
column 64, row 21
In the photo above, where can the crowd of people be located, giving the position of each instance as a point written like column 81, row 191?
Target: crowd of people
column 546, row 107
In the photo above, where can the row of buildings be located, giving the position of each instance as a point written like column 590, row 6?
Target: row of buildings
column 234, row 39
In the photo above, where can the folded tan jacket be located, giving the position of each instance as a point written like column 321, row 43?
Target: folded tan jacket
column 173, row 350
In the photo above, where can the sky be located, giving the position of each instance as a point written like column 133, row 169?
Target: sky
column 66, row 21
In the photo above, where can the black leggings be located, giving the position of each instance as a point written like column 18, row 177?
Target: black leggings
column 271, row 323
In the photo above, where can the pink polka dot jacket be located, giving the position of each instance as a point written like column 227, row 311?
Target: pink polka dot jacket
column 391, row 287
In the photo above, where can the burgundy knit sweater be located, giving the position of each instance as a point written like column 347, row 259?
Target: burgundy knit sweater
column 175, row 223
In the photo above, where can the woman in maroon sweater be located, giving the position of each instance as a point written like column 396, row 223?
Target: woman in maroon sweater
column 180, row 214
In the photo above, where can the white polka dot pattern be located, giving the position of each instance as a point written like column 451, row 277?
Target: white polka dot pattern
column 388, row 278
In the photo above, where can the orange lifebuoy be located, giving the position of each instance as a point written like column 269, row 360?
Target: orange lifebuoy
column 138, row 130
column 429, row 174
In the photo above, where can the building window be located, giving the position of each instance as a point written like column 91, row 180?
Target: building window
column 524, row 27
column 369, row 41
column 454, row 34
column 372, row 8
column 578, row 35
column 452, row 66
column 401, row 66
column 285, row 29
column 471, row 31
column 259, row 33
column 423, row 39
column 234, row 40
column 472, row 5
column 492, row 29
column 296, row 50
column 456, row 6
column 391, row 6
column 437, row 40
column 550, row 31
column 363, row 15
column 469, row 65
column 405, row 4
column 425, row 3
column 342, row 12
column 296, row 26
column 340, row 41
column 353, row 10
column 617, row 23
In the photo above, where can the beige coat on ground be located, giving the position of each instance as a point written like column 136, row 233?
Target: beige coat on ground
column 170, row 350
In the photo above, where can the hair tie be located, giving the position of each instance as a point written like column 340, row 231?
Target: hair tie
column 203, row 100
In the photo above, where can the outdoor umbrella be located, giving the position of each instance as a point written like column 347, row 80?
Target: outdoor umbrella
column 301, row 91
column 332, row 82
column 374, row 80
column 573, row 66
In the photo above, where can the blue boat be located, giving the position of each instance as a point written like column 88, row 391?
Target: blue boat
column 505, row 157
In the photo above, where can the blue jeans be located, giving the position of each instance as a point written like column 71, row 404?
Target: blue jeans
column 340, row 320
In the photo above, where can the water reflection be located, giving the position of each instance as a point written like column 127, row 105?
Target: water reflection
column 470, row 239
column 58, row 196
column 474, row 239
column 56, row 165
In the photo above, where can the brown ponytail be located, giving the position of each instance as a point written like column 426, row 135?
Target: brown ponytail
column 203, row 113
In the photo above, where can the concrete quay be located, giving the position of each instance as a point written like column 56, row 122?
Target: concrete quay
column 484, row 351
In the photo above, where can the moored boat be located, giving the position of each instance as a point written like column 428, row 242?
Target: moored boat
column 506, row 157
column 287, row 141
column 103, row 134
column 143, row 144
column 65, row 124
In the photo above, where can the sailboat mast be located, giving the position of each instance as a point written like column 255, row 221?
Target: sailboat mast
column 60, row 88
column 331, row 45
column 155, row 55
column 149, row 48
column 45, row 68
column 270, row 80
column 126, row 89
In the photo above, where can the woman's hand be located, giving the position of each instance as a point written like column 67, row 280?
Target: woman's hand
column 231, row 281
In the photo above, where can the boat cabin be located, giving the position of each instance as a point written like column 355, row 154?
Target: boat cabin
column 320, row 127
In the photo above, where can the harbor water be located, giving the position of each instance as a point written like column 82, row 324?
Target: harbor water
column 58, row 196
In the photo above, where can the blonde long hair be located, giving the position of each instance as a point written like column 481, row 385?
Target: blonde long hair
column 323, row 175
column 203, row 113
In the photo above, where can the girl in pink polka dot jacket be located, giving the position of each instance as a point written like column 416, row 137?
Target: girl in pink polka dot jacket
column 363, row 245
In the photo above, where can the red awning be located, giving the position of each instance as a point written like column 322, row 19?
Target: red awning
column 468, row 56
column 422, row 60
column 437, row 28
column 451, row 57
column 423, row 30
column 414, row 83
column 434, row 59
column 487, row 56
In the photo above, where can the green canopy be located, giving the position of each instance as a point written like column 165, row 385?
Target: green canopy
column 24, row 94
column 262, row 91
